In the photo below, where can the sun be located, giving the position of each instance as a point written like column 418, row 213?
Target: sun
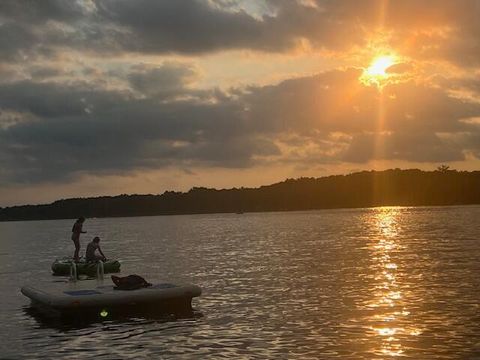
column 376, row 73
column 380, row 65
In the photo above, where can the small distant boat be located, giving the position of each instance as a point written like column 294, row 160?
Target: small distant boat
column 63, row 267
column 83, row 299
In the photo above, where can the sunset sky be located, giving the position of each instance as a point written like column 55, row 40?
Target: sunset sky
column 104, row 97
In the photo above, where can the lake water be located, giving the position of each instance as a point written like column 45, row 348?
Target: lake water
column 350, row 284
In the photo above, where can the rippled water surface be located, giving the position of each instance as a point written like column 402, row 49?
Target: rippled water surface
column 350, row 284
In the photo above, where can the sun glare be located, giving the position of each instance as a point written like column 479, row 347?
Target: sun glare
column 376, row 73
column 380, row 65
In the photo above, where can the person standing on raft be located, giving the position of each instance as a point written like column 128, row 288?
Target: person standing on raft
column 76, row 231
column 90, row 255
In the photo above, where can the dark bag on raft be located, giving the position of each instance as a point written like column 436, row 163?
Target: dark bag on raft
column 130, row 282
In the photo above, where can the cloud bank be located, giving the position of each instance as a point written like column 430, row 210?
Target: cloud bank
column 78, row 97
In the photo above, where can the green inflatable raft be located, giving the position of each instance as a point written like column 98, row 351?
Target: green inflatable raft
column 64, row 267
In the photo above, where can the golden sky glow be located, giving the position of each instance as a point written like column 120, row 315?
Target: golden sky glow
column 257, row 91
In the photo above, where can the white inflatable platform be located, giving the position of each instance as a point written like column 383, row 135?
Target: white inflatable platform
column 81, row 297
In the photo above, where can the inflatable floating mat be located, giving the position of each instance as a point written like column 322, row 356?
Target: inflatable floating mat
column 83, row 299
column 63, row 267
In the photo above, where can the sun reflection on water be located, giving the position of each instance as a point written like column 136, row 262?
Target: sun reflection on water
column 387, row 297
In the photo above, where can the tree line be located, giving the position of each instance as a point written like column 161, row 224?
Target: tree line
column 361, row 189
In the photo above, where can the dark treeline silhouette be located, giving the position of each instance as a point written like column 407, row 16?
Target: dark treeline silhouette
column 361, row 189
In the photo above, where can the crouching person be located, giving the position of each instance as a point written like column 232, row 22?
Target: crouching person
column 92, row 247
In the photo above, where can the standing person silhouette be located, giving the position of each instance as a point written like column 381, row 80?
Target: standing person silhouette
column 76, row 231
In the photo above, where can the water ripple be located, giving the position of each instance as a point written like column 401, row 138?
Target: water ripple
column 351, row 284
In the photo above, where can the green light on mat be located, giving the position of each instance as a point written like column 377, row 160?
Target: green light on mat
column 104, row 313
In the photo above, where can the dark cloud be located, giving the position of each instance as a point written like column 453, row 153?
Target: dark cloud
column 416, row 147
column 178, row 26
column 44, row 72
column 25, row 26
column 186, row 26
column 325, row 118
column 52, row 100
column 181, row 26
column 195, row 26
column 15, row 40
column 336, row 101
column 34, row 12
column 441, row 29
column 79, row 129
column 168, row 80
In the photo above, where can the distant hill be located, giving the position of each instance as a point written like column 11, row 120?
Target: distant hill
column 361, row 189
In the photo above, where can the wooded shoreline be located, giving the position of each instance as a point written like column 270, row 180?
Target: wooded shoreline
column 362, row 189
